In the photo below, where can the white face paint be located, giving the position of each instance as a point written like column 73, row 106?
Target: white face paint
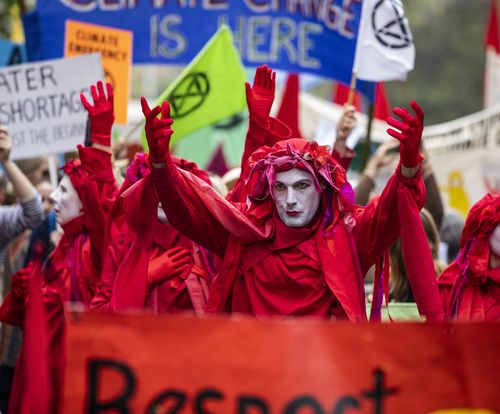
column 162, row 217
column 67, row 203
column 495, row 241
column 296, row 197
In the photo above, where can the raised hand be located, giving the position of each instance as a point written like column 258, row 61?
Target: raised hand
column 174, row 262
column 260, row 96
column 346, row 122
column 101, row 114
column 409, row 135
column 5, row 144
column 158, row 130
column 21, row 281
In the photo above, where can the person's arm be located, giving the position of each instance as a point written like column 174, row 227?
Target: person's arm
column 433, row 201
column 100, row 188
column 184, row 199
column 378, row 226
column 29, row 214
column 342, row 154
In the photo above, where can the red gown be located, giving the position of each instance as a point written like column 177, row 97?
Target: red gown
column 70, row 274
column 269, row 269
column 137, row 239
column 469, row 288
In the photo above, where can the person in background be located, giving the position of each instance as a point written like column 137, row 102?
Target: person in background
column 148, row 263
column 399, row 285
column 14, row 220
column 470, row 285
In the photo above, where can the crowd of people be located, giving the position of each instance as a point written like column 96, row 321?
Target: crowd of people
column 289, row 237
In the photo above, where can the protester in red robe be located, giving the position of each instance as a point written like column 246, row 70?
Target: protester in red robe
column 285, row 253
column 470, row 285
column 148, row 263
column 82, row 203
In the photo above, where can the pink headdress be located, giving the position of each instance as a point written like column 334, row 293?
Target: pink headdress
column 297, row 153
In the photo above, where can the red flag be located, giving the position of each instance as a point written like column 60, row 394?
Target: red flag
column 289, row 108
column 491, row 93
column 382, row 109
column 340, row 93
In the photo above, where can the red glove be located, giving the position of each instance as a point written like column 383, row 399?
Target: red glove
column 172, row 263
column 411, row 134
column 101, row 115
column 260, row 96
column 158, row 131
column 21, row 281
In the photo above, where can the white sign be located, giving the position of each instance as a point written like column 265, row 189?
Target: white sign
column 40, row 104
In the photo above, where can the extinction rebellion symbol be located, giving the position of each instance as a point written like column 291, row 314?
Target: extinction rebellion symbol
column 189, row 94
column 390, row 25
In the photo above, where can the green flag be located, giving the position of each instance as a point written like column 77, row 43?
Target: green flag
column 210, row 88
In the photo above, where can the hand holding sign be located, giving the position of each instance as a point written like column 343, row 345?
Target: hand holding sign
column 101, row 114
column 158, row 131
column 5, row 144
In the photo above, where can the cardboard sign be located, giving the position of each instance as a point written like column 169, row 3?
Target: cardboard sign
column 40, row 104
column 115, row 47
column 175, row 364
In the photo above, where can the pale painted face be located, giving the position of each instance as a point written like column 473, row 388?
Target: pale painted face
column 67, row 203
column 296, row 197
column 495, row 241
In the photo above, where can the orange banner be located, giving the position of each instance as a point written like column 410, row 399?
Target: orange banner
column 175, row 364
column 115, row 47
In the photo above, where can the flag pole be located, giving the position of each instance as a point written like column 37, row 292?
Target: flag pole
column 352, row 89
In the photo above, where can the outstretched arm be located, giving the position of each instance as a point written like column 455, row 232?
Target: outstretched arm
column 184, row 198
column 262, row 128
column 100, row 189
column 379, row 225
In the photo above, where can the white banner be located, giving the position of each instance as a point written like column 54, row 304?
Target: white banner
column 385, row 49
column 40, row 104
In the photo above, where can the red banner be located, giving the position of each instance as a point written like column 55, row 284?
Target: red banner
column 173, row 364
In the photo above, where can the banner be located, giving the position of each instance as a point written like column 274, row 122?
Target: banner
column 115, row 47
column 40, row 104
column 210, row 88
column 385, row 49
column 314, row 36
column 146, row 363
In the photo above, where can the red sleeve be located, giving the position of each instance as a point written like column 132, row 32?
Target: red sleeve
column 114, row 256
column 12, row 311
column 186, row 211
column 98, row 194
column 377, row 225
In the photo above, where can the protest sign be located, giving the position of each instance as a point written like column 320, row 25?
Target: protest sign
column 115, row 47
column 317, row 37
column 40, row 104
column 146, row 363
column 210, row 88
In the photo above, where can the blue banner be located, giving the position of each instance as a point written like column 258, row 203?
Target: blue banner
column 313, row 36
